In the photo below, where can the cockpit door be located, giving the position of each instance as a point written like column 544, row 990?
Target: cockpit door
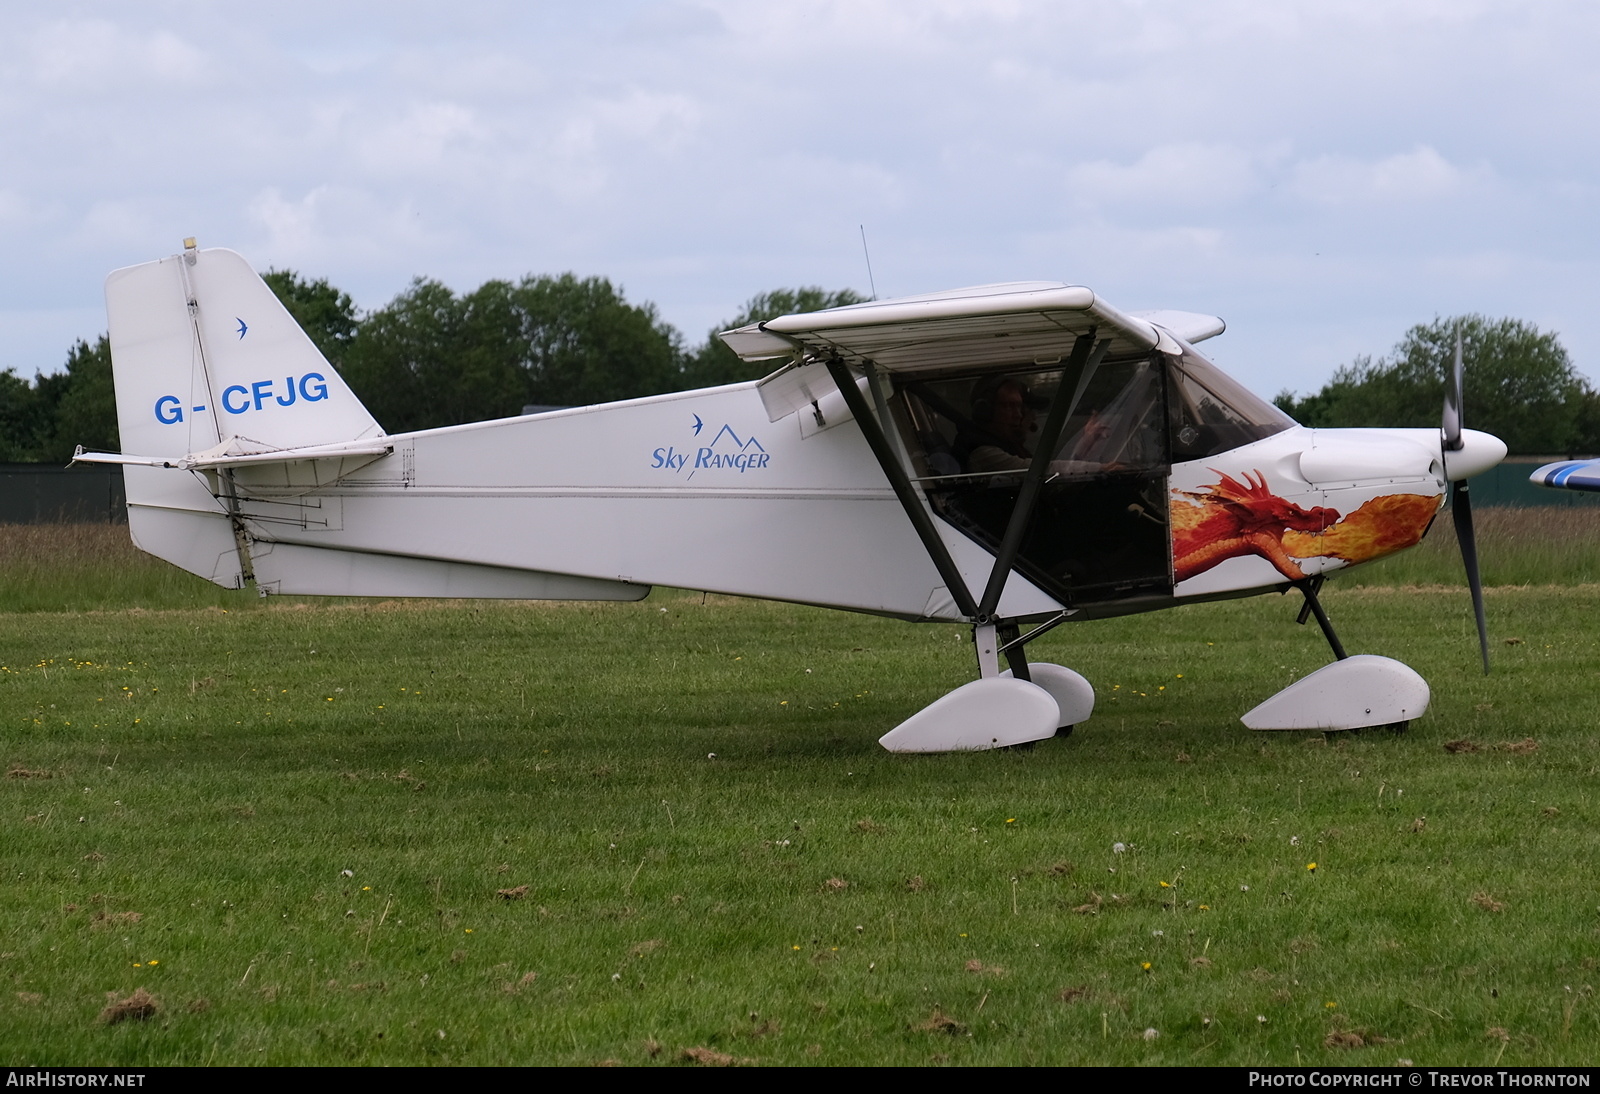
column 1099, row 532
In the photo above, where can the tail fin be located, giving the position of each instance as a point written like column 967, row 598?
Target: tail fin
column 204, row 354
column 212, row 371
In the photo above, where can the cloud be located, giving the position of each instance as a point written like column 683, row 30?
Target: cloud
column 80, row 56
column 1266, row 161
column 1419, row 175
column 291, row 226
column 331, row 224
column 13, row 208
column 429, row 136
column 114, row 221
column 660, row 119
column 587, row 146
column 674, row 20
column 1189, row 175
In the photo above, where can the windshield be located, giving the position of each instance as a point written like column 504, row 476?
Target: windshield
column 1210, row 412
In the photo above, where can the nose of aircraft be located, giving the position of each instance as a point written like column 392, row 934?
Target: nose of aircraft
column 1479, row 452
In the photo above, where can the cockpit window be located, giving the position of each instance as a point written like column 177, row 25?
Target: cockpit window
column 989, row 425
column 1211, row 413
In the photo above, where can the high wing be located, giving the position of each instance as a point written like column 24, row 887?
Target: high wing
column 999, row 326
column 1569, row 475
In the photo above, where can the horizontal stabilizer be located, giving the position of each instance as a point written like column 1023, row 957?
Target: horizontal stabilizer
column 227, row 454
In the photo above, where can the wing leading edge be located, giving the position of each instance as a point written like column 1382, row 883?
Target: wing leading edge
column 997, row 326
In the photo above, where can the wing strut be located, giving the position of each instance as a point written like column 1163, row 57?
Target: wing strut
column 872, row 430
column 1086, row 357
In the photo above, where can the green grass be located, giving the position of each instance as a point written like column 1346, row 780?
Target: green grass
column 214, row 769
column 1551, row 546
column 93, row 567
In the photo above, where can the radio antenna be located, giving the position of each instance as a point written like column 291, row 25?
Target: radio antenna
column 868, row 253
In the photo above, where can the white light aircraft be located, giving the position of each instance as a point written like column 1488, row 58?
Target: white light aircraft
column 1009, row 457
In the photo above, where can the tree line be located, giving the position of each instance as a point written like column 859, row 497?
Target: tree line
column 1519, row 384
column 432, row 357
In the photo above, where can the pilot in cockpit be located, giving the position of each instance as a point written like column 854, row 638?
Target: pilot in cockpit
column 1006, row 428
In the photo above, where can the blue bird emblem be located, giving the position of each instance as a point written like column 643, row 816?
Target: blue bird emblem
column 242, row 326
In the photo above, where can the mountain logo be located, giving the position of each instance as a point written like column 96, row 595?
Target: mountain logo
column 726, row 451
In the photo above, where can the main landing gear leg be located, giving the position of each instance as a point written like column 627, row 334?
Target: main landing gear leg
column 1007, row 634
column 985, row 640
column 1309, row 589
column 1352, row 693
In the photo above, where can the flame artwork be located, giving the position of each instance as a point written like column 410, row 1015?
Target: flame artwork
column 1234, row 519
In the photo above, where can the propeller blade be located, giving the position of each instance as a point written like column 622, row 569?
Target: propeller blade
column 1461, row 512
column 1450, row 425
column 1460, row 504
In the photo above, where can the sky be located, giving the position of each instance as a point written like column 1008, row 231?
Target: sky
column 1321, row 175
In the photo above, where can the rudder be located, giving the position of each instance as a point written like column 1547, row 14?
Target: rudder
column 208, row 362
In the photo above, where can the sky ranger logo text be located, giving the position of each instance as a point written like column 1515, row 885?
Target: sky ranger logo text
column 727, row 450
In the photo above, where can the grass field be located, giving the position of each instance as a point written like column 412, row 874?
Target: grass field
column 664, row 832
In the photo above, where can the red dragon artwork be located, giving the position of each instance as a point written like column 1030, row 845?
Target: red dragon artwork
column 1234, row 519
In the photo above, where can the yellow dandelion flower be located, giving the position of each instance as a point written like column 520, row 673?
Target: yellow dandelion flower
column 796, row 947
column 1330, row 1004
column 1311, row 866
column 1205, row 907
column 1145, row 966
column 1165, row 885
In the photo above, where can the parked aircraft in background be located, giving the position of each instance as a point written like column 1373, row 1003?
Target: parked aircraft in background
column 1010, row 457
column 1581, row 475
